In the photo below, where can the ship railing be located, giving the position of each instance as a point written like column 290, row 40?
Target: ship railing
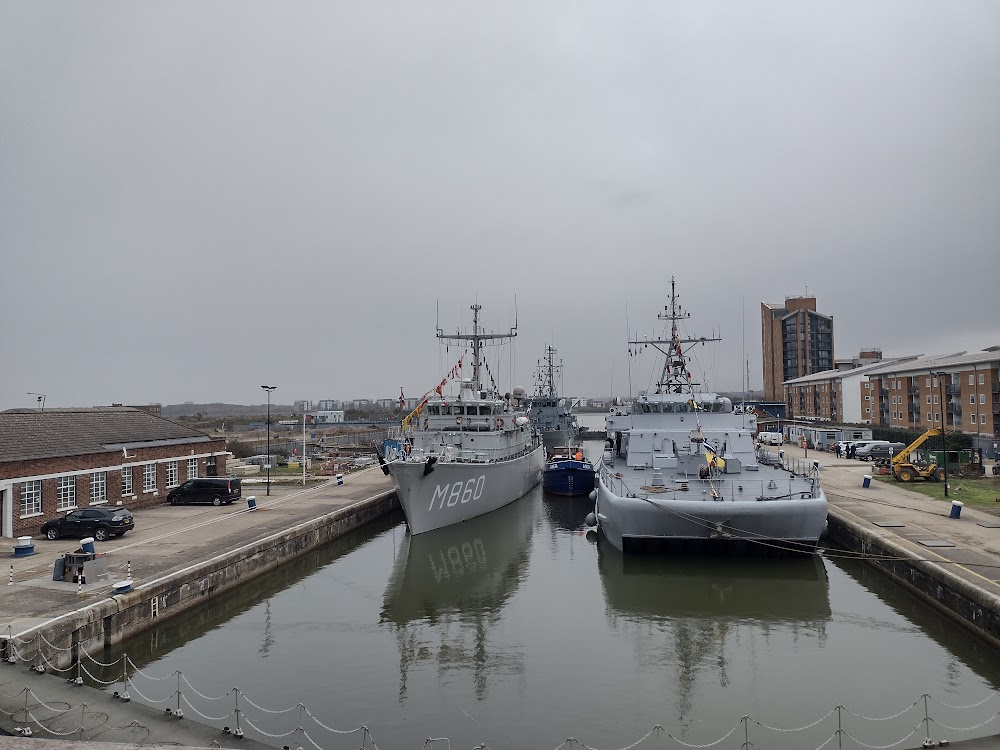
column 476, row 456
column 789, row 486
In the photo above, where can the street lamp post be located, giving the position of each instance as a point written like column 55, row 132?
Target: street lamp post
column 268, row 389
column 944, row 443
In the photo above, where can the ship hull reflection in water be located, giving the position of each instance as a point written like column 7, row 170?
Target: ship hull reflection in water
column 698, row 615
column 448, row 588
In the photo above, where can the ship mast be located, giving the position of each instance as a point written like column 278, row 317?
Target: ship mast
column 675, row 376
column 477, row 339
column 546, row 374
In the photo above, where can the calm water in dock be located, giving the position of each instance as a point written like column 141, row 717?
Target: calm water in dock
column 516, row 630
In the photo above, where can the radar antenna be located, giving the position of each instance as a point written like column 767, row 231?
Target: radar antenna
column 675, row 376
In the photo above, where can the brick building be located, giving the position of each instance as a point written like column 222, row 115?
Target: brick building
column 841, row 395
column 795, row 341
column 55, row 460
column 960, row 392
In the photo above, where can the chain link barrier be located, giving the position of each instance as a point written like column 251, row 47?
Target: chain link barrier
column 571, row 743
column 884, row 747
column 966, row 729
column 204, row 716
column 201, row 694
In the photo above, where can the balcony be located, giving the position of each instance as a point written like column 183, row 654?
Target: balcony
column 913, row 408
column 913, row 390
column 953, row 390
column 883, row 391
column 955, row 408
column 996, row 389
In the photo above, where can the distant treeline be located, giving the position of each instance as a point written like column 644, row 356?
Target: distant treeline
column 214, row 411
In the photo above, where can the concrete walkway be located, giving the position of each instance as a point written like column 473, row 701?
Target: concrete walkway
column 166, row 539
column 968, row 547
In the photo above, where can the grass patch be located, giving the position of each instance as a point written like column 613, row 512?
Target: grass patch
column 976, row 492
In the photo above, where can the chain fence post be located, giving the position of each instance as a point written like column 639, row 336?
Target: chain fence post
column 125, row 696
column 79, row 665
column 928, row 742
column 746, row 732
column 177, row 712
column 238, row 732
column 840, row 730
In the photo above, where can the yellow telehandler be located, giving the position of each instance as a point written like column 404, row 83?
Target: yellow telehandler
column 905, row 470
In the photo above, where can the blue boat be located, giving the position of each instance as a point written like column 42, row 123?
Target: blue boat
column 568, row 475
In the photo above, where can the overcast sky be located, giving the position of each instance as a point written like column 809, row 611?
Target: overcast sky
column 198, row 198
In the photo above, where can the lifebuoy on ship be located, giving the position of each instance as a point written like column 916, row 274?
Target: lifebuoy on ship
column 407, row 447
column 458, row 419
column 500, row 423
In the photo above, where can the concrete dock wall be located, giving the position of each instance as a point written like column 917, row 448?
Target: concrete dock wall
column 112, row 620
column 962, row 601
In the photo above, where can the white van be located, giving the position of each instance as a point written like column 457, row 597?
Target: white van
column 770, row 438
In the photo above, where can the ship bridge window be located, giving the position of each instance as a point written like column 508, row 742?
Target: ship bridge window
column 433, row 410
column 486, row 410
column 645, row 408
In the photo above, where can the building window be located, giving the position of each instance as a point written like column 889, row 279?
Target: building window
column 982, row 419
column 149, row 478
column 928, row 382
column 972, row 399
column 937, row 417
column 126, row 481
column 981, row 376
column 982, row 399
column 935, row 382
column 192, row 468
column 928, row 399
column 98, row 487
column 66, row 493
column 929, row 418
column 868, row 398
column 972, row 379
column 935, row 398
column 31, row 498
column 172, row 474
column 972, row 418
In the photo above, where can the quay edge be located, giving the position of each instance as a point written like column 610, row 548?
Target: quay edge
column 112, row 620
column 963, row 601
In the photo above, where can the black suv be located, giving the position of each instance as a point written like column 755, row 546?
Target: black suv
column 214, row 490
column 99, row 523
column 881, row 453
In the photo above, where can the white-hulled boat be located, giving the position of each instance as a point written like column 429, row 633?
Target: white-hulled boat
column 466, row 454
column 681, row 465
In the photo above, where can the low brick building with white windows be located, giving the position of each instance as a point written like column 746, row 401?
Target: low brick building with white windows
column 54, row 460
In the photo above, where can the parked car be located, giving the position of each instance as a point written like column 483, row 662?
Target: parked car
column 770, row 438
column 99, row 523
column 214, row 490
column 858, row 445
column 880, row 451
